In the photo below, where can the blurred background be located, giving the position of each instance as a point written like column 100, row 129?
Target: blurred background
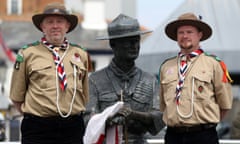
column 17, row 30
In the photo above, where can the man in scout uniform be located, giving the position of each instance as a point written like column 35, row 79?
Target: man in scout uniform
column 195, row 89
column 50, row 82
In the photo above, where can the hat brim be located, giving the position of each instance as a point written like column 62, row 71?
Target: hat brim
column 171, row 28
column 123, row 35
column 38, row 18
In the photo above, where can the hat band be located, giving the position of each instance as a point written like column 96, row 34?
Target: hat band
column 55, row 11
column 121, row 31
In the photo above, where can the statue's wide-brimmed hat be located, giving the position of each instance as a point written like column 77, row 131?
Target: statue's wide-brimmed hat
column 56, row 9
column 123, row 26
column 188, row 19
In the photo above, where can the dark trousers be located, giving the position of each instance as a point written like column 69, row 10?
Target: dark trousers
column 206, row 136
column 52, row 130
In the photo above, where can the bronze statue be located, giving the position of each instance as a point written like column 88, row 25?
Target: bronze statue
column 121, row 80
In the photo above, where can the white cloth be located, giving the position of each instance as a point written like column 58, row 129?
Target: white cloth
column 96, row 125
column 114, row 135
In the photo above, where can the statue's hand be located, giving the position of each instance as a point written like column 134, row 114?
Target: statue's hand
column 125, row 112
column 115, row 120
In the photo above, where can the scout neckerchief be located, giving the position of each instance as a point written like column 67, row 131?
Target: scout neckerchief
column 58, row 61
column 183, row 67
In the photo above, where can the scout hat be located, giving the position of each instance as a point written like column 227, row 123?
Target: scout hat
column 123, row 26
column 188, row 19
column 55, row 9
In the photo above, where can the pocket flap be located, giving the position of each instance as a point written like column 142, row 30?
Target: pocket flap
column 202, row 77
column 80, row 65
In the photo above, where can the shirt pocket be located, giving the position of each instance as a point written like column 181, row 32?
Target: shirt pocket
column 107, row 99
column 203, row 88
column 141, row 102
column 81, row 69
column 44, row 75
column 80, row 72
column 169, row 85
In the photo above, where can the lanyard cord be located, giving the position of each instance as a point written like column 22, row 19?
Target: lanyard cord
column 57, row 86
column 191, row 109
column 192, row 97
column 73, row 97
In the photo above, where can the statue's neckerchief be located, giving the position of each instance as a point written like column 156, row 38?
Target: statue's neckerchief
column 123, row 82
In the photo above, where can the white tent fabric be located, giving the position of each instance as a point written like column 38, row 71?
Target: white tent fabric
column 224, row 18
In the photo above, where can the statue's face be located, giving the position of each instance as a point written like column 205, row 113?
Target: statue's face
column 126, row 49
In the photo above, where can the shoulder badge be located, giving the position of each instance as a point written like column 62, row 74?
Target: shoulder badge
column 226, row 75
column 19, row 58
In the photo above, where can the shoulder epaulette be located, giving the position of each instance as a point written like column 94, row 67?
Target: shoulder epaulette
column 19, row 57
column 213, row 56
column 76, row 45
column 226, row 76
column 31, row 44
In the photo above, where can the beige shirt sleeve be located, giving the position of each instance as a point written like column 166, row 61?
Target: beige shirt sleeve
column 19, row 79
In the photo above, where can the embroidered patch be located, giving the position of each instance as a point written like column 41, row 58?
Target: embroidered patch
column 17, row 65
column 76, row 57
column 170, row 71
column 200, row 89
column 19, row 59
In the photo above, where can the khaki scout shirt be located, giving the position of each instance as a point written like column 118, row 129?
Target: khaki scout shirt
column 203, row 83
column 34, row 83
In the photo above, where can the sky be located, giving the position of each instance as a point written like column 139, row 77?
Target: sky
column 151, row 13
